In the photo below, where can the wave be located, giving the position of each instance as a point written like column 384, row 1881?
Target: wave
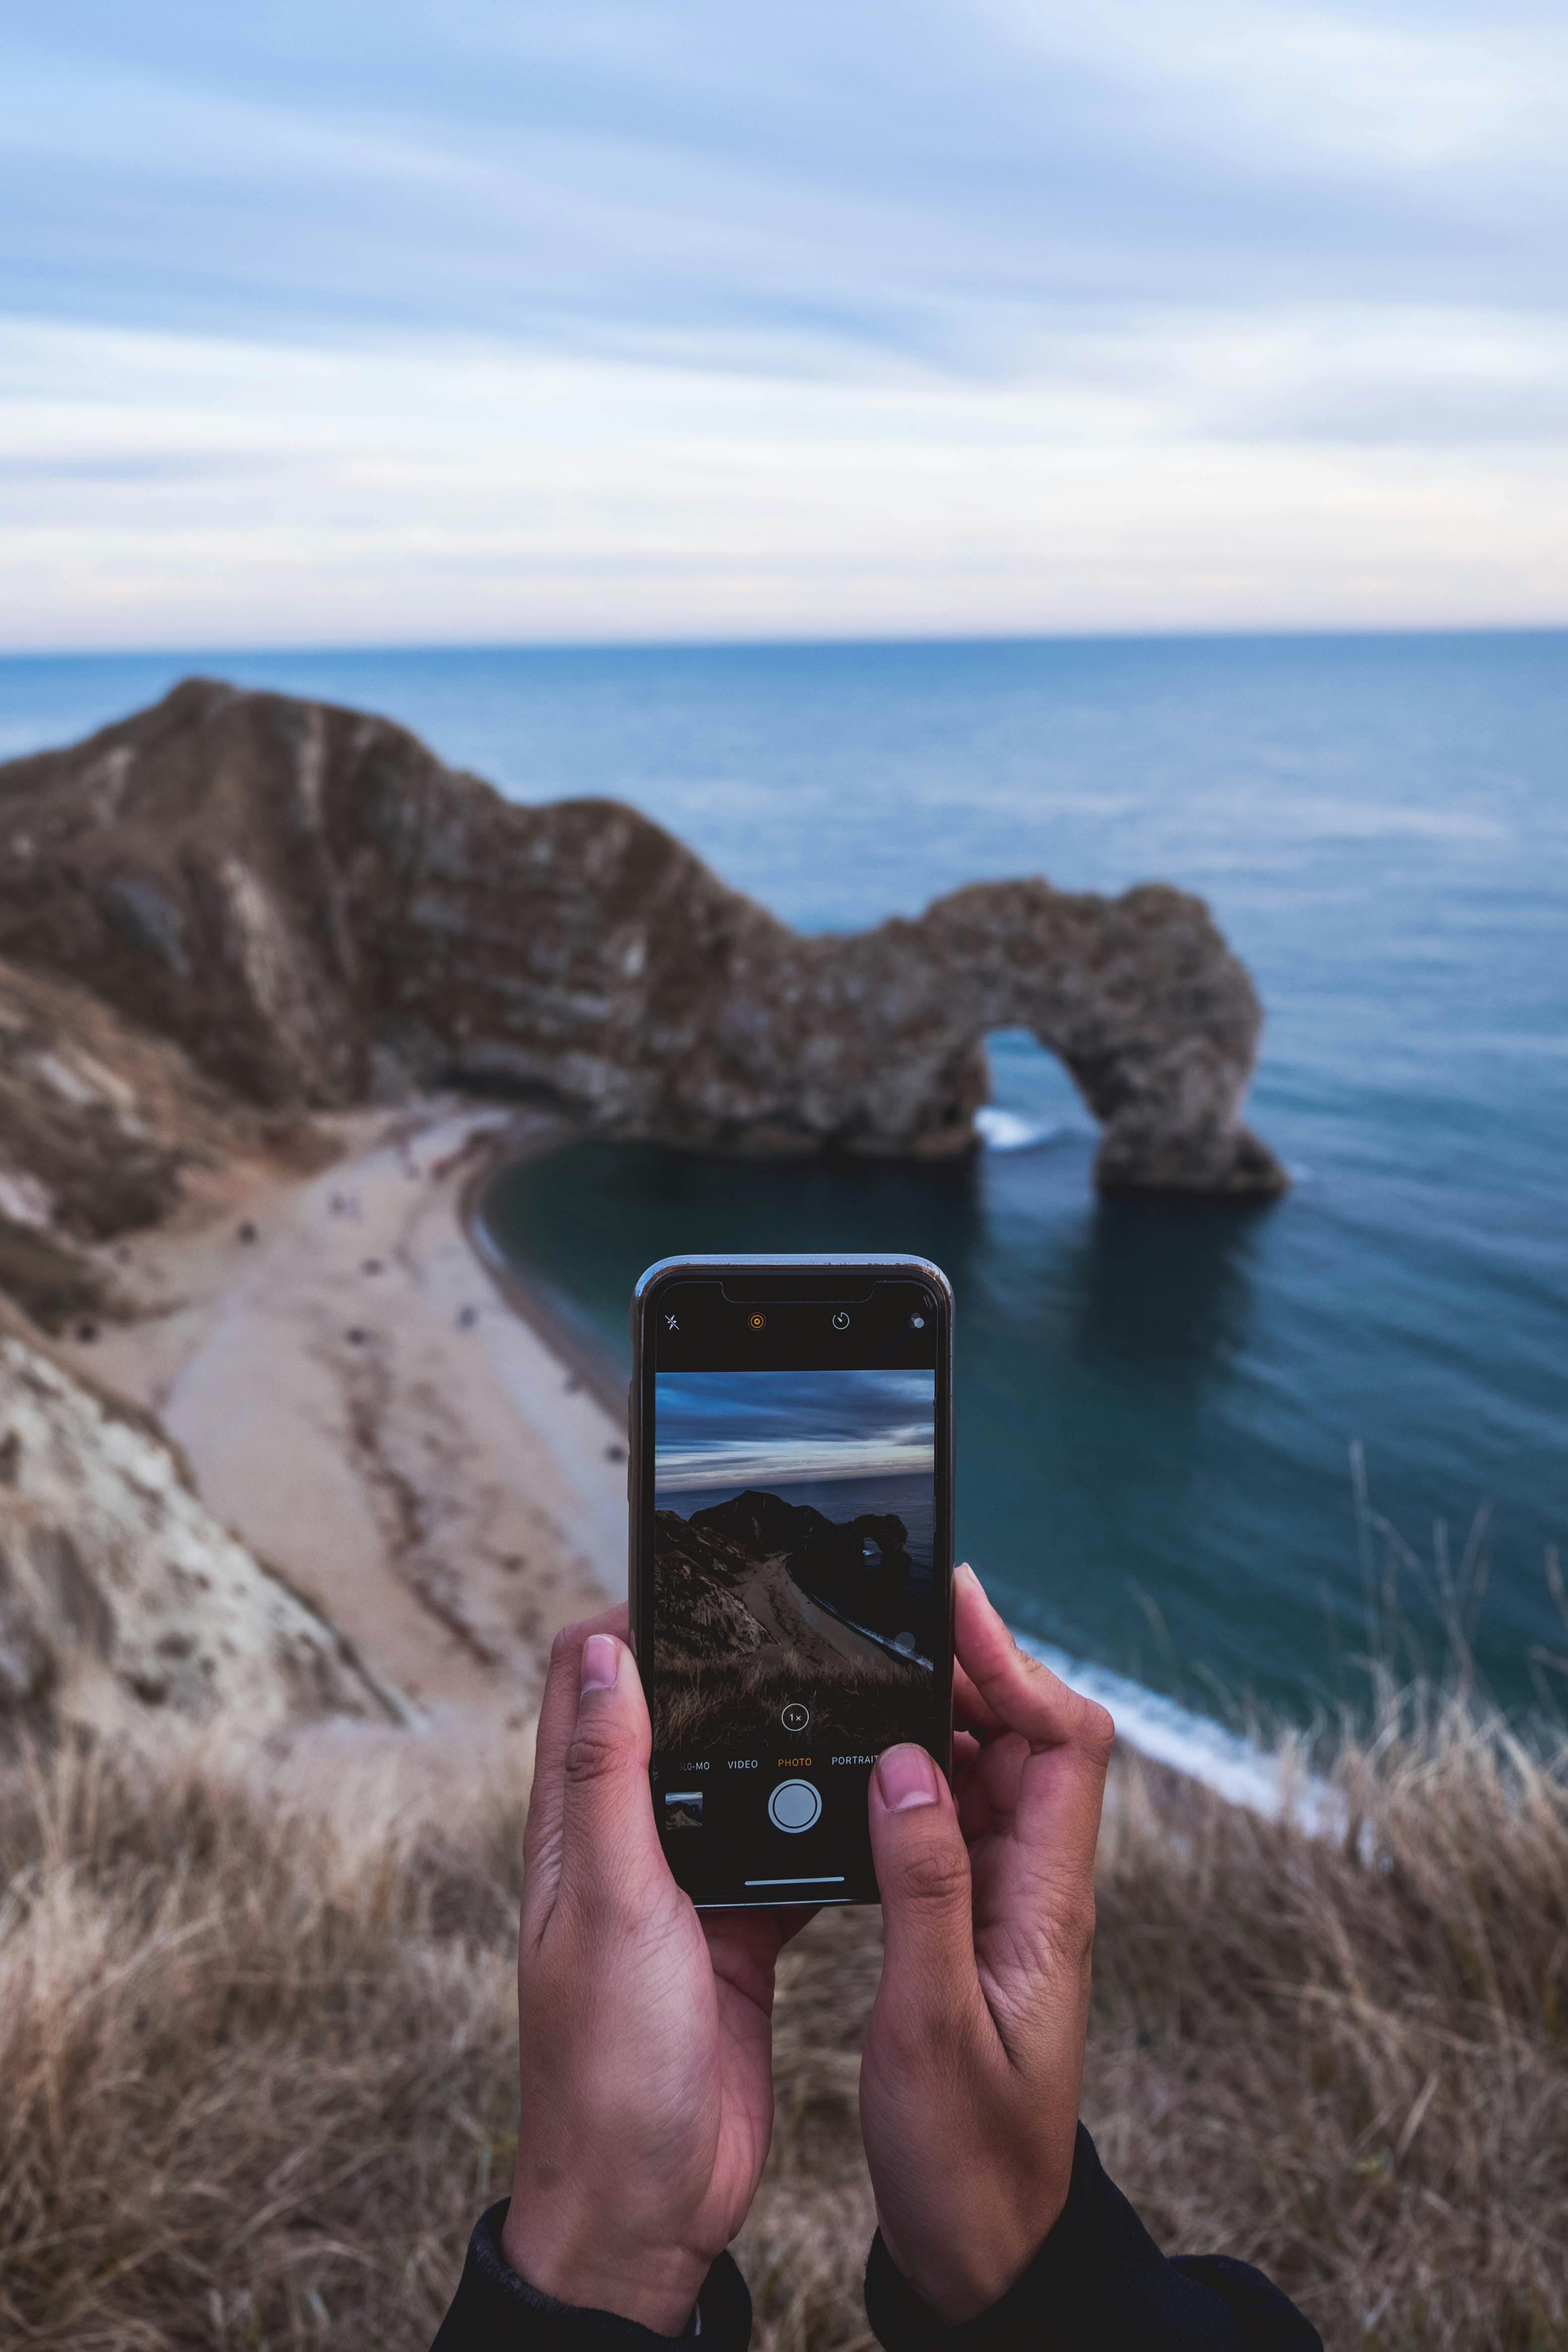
column 1166, row 1732
column 1005, row 1130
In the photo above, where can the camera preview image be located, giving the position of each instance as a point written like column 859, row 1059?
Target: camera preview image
column 794, row 1558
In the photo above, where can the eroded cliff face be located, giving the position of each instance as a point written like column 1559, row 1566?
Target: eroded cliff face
column 105, row 1127
column 98, row 1118
column 316, row 909
column 125, row 1610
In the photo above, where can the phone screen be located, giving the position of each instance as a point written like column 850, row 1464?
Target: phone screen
column 796, row 1571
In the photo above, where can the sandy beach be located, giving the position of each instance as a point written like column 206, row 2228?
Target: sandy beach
column 358, row 1400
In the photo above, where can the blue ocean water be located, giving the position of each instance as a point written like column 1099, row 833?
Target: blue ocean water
column 1157, row 1407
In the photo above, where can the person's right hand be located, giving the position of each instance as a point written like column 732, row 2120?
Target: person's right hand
column 974, row 2058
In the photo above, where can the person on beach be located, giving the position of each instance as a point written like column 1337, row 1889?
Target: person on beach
column 646, row 2062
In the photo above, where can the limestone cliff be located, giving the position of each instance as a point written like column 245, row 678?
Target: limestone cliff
column 98, row 1118
column 104, row 1127
column 124, row 1608
column 315, row 909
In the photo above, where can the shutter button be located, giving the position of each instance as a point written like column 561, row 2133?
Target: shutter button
column 795, row 1805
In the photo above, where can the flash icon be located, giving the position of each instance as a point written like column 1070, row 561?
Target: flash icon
column 670, row 1324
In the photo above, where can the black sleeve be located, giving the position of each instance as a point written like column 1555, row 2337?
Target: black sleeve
column 1100, row 2280
column 495, row 2311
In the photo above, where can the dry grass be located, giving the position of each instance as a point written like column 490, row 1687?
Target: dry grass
column 256, row 2050
column 256, row 2056
column 1347, row 2060
column 703, row 1703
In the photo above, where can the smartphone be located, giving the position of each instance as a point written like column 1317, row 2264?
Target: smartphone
column 790, row 1481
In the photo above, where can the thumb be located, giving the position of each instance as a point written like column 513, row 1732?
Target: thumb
column 923, row 1873
column 608, row 1842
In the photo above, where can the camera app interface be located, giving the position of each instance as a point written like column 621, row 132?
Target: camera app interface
column 798, row 1603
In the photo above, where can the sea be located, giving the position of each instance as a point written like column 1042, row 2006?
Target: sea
column 1222, row 1463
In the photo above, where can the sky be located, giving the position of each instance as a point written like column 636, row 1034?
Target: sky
column 734, row 1430
column 394, row 323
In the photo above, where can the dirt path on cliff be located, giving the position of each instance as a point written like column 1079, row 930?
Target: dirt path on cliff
column 359, row 1402
column 794, row 1620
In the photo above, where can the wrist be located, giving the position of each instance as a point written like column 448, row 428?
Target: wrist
column 961, row 2278
column 582, row 2260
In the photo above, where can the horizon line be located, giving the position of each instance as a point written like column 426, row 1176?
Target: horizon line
column 775, row 642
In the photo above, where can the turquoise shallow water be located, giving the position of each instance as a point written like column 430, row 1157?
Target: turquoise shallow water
column 1156, row 1407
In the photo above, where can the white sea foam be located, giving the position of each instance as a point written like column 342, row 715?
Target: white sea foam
column 1168, row 1733
column 1005, row 1130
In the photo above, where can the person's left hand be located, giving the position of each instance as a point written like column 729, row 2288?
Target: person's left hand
column 645, row 2028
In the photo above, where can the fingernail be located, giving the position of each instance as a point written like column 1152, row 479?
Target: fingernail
column 968, row 1575
column 906, row 1776
column 600, row 1661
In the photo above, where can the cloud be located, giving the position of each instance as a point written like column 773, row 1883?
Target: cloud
column 886, row 178
column 1395, row 90
column 392, row 320
column 740, row 1429
column 215, row 492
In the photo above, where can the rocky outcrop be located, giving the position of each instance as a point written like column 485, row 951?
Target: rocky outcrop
column 699, row 1576
column 125, row 1608
column 740, row 1631
column 859, row 1569
column 98, row 1118
column 860, row 1564
column 316, row 909
column 100, row 1123
column 105, row 1128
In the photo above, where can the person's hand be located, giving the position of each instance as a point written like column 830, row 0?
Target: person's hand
column 973, row 2059
column 645, row 2029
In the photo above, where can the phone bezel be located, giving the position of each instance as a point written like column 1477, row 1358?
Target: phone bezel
column 804, row 1268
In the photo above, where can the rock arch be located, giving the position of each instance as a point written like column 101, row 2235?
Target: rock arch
column 314, row 906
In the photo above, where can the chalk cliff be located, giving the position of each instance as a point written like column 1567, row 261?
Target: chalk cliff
column 316, row 910
column 125, row 1608
column 98, row 1118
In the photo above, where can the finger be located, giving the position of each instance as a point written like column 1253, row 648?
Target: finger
column 1020, row 1691
column 1046, row 1799
column 1034, row 1916
column 1056, row 1821
column 923, row 1874
column 975, row 1814
column 557, row 1720
column 988, row 1793
column 611, row 1860
column 793, row 1919
column 970, row 1711
column 1034, row 1904
column 743, row 1946
column 1000, row 1772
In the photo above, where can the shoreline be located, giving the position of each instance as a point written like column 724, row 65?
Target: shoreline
column 580, row 1355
